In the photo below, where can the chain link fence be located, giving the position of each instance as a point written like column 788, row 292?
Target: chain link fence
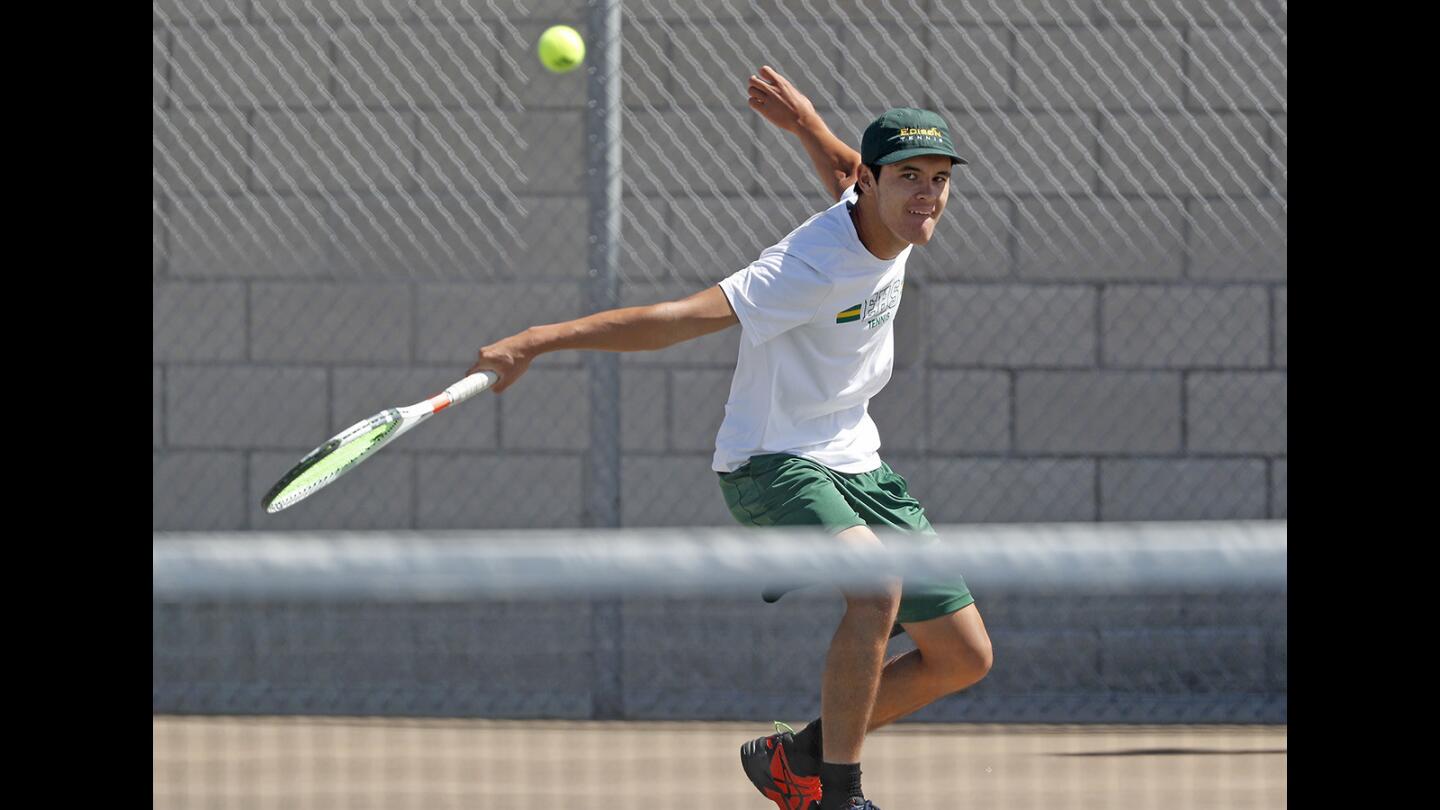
column 350, row 198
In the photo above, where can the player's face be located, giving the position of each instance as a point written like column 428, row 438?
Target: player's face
column 912, row 194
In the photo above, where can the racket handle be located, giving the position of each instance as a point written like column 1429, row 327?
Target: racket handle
column 470, row 386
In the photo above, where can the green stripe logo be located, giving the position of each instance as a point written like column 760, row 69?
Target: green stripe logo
column 851, row 314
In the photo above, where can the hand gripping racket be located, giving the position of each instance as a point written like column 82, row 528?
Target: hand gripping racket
column 358, row 442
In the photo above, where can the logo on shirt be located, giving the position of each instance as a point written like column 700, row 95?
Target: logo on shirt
column 876, row 310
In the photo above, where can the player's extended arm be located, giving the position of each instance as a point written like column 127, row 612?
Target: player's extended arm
column 631, row 329
column 775, row 98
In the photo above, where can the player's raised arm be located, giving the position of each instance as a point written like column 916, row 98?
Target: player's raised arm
column 775, row 98
column 630, row 329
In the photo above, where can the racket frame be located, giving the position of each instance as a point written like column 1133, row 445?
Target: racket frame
column 404, row 420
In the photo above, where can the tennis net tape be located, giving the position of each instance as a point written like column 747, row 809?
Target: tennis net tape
column 520, row 564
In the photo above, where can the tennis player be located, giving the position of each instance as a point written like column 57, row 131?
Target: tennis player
column 797, row 446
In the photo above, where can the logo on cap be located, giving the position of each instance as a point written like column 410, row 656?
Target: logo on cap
column 906, row 132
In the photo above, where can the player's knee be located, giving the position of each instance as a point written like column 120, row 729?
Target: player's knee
column 968, row 664
column 880, row 604
column 984, row 658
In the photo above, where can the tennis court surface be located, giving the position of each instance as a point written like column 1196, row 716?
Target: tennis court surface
column 308, row 762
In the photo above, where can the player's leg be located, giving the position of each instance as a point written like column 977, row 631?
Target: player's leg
column 952, row 652
column 783, row 490
column 855, row 660
column 952, row 647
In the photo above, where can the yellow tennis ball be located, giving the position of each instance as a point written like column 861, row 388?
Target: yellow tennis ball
column 561, row 48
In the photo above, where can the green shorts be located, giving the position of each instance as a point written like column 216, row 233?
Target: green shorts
column 778, row 489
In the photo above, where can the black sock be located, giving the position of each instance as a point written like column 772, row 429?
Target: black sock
column 838, row 783
column 810, row 746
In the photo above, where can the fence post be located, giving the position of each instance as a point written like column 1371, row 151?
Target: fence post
column 602, row 463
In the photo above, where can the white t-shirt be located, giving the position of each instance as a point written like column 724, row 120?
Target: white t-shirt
column 817, row 313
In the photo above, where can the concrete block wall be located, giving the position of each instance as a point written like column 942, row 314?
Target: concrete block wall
column 343, row 215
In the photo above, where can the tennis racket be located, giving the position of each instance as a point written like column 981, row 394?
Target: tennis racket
column 358, row 442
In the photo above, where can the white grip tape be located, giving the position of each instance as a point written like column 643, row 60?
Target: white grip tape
column 470, row 386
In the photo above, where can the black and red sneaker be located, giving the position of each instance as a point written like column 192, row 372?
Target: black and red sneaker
column 767, row 762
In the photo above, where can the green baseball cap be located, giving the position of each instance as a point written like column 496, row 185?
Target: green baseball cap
column 906, row 132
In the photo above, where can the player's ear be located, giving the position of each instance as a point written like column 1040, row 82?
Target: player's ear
column 865, row 179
